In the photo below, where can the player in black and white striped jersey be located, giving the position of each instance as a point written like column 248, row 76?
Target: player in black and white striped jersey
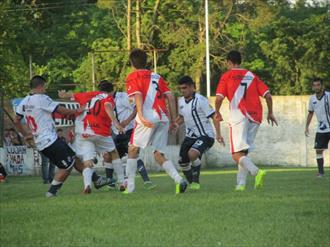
column 195, row 112
column 320, row 104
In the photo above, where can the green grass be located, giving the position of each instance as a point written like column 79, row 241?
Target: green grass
column 292, row 210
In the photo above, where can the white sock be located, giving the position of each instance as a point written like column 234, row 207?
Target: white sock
column 119, row 169
column 248, row 165
column 108, row 165
column 87, row 174
column 241, row 175
column 197, row 162
column 171, row 171
column 131, row 168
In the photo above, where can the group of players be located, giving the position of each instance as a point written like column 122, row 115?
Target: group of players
column 148, row 123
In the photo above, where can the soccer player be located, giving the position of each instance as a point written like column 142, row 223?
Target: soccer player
column 320, row 104
column 243, row 89
column 150, row 92
column 125, row 114
column 37, row 109
column 195, row 112
column 93, row 131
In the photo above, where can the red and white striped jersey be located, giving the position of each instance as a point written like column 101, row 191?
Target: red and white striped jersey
column 243, row 89
column 152, row 87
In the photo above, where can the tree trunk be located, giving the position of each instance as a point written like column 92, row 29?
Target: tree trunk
column 201, row 58
column 138, row 23
column 129, row 11
column 154, row 22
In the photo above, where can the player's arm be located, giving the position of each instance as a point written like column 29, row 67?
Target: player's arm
column 130, row 118
column 218, row 102
column 179, row 120
column 28, row 137
column 270, row 117
column 139, row 104
column 65, row 111
column 110, row 112
column 217, row 127
column 308, row 122
column 172, row 109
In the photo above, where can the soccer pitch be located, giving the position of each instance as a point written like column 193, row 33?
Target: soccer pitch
column 293, row 209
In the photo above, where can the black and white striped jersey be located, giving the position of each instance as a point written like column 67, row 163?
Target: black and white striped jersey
column 196, row 113
column 321, row 107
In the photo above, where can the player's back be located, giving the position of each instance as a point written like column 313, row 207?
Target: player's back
column 152, row 87
column 37, row 110
column 123, row 109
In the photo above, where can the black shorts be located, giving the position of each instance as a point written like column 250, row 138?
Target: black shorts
column 121, row 142
column 60, row 154
column 201, row 144
column 322, row 140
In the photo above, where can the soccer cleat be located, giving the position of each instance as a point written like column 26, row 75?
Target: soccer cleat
column 259, row 180
column 195, row 186
column 49, row 195
column 102, row 181
column 240, row 188
column 149, row 185
column 181, row 187
column 87, row 190
column 122, row 187
column 320, row 175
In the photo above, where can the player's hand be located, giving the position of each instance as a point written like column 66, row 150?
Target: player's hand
column 124, row 123
column 173, row 127
column 120, row 129
column 218, row 117
column 307, row 132
column 220, row 140
column 271, row 119
column 61, row 94
column 28, row 139
column 146, row 122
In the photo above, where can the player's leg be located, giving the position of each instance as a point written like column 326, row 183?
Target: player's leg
column 118, row 168
column 108, row 165
column 321, row 143
column 195, row 153
column 159, row 141
column 184, row 160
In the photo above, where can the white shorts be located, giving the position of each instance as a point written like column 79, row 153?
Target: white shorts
column 242, row 135
column 155, row 137
column 87, row 147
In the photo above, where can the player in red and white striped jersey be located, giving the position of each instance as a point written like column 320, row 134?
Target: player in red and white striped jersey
column 150, row 92
column 243, row 89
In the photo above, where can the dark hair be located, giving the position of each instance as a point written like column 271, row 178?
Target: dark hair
column 138, row 58
column 235, row 57
column 59, row 129
column 105, row 86
column 36, row 81
column 317, row 79
column 186, row 80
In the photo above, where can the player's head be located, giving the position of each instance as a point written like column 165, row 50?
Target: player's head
column 106, row 86
column 38, row 83
column 317, row 85
column 234, row 58
column 186, row 86
column 59, row 132
column 138, row 58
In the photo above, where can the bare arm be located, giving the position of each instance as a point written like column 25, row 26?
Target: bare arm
column 218, row 102
column 308, row 122
column 28, row 137
column 179, row 120
column 65, row 111
column 139, row 104
column 270, row 117
column 125, row 122
column 217, row 127
column 111, row 114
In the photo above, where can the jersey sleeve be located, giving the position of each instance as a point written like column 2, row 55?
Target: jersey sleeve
column 310, row 105
column 222, row 86
column 163, row 86
column 19, row 110
column 48, row 104
column 262, row 87
column 132, row 85
column 206, row 108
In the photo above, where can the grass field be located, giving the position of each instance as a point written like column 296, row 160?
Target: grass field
column 292, row 210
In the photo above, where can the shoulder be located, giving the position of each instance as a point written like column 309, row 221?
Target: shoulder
column 201, row 98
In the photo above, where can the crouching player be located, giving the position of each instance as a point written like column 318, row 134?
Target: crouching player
column 195, row 112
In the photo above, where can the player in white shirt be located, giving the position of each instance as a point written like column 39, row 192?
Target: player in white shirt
column 320, row 104
column 37, row 109
column 125, row 113
column 195, row 112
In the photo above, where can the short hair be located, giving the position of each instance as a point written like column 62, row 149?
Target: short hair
column 187, row 80
column 235, row 57
column 317, row 79
column 59, row 129
column 105, row 86
column 36, row 81
column 138, row 58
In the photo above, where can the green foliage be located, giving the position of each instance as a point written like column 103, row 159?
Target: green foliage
column 286, row 45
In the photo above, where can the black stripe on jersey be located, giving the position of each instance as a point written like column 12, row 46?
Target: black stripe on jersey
column 55, row 109
column 115, row 109
column 327, row 110
column 211, row 115
column 198, row 122
column 192, row 113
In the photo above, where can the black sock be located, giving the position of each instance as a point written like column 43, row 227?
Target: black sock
column 320, row 162
column 54, row 188
column 195, row 173
column 189, row 176
column 142, row 170
column 109, row 172
column 95, row 177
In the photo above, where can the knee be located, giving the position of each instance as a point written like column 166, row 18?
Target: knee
column 193, row 154
column 132, row 151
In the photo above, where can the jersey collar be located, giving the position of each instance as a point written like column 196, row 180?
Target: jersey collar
column 193, row 96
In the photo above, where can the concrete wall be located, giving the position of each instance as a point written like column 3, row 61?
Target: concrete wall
column 284, row 145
